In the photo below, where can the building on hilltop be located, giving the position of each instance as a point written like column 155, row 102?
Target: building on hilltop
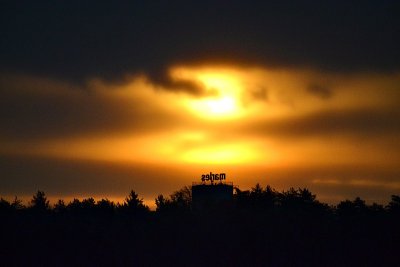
column 213, row 195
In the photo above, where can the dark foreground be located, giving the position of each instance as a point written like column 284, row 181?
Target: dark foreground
column 260, row 228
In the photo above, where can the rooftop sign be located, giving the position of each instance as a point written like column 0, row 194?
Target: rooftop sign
column 213, row 177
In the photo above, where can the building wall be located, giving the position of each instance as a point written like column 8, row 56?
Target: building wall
column 211, row 195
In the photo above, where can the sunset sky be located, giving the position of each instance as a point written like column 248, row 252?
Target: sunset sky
column 98, row 99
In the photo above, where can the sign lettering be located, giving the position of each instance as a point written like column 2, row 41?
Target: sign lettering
column 213, row 177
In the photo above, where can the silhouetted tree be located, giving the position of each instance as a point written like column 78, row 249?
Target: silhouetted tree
column 88, row 204
column 182, row 199
column 258, row 198
column 39, row 202
column 305, row 196
column 359, row 205
column 242, row 197
column 134, row 205
column 376, row 208
column 288, row 198
column 394, row 205
column 5, row 206
column 162, row 204
column 256, row 195
column 106, row 206
column 270, row 197
column 60, row 206
column 178, row 201
column 17, row 204
column 345, row 208
column 256, row 191
column 353, row 208
column 296, row 199
column 75, row 206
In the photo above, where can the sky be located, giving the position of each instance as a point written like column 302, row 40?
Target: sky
column 97, row 99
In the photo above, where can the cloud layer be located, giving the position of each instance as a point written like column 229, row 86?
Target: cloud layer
column 76, row 41
column 252, row 110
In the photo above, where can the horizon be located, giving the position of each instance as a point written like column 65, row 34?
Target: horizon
column 150, row 201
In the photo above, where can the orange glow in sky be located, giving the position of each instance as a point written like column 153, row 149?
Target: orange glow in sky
column 246, row 116
column 250, row 117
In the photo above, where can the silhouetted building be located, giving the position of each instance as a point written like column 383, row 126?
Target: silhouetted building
column 214, row 195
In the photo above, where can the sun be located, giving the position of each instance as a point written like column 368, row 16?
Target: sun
column 225, row 90
column 215, row 107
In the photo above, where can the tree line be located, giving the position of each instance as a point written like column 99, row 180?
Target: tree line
column 262, row 227
column 257, row 198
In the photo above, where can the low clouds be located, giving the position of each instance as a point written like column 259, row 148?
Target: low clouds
column 268, row 102
column 320, row 91
column 351, row 122
column 36, row 108
column 253, row 110
column 61, row 178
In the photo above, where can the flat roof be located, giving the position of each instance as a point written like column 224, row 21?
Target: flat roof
column 210, row 184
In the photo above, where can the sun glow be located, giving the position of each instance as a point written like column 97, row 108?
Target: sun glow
column 237, row 119
column 224, row 90
column 225, row 106
column 238, row 153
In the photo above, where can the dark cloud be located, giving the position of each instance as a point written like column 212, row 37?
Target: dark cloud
column 162, row 80
column 76, row 40
column 320, row 91
column 259, row 93
column 254, row 93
